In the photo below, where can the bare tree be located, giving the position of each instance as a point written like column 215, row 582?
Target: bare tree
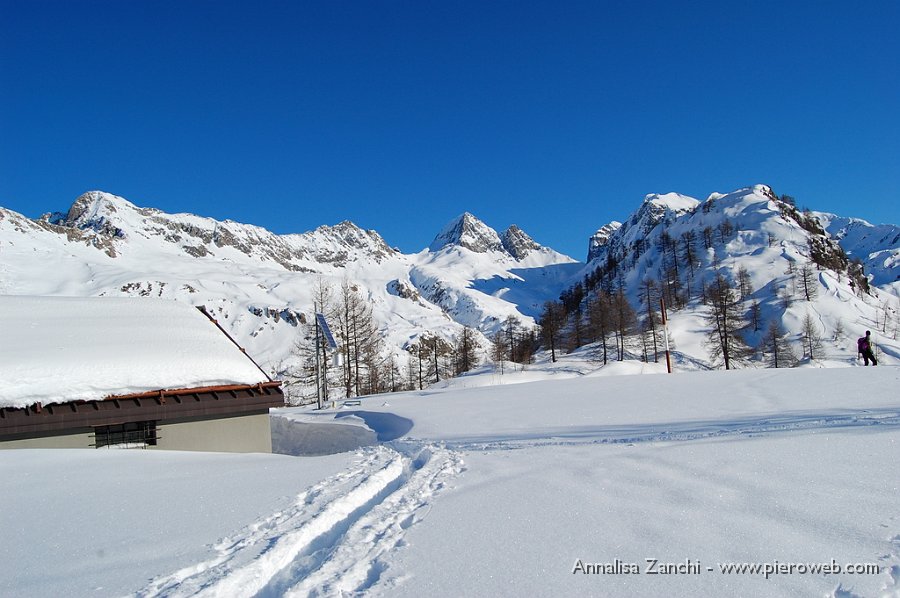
column 412, row 380
column 808, row 282
column 551, row 322
column 708, row 237
column 650, row 298
column 725, row 230
column 518, row 340
column 600, row 320
column 725, row 339
column 500, row 349
column 689, row 249
column 745, row 286
column 755, row 315
column 465, row 353
column 792, row 277
column 418, row 355
column 812, row 339
column 323, row 302
column 839, row 330
column 624, row 320
column 884, row 315
column 360, row 342
column 434, row 351
column 669, row 248
column 777, row 348
column 298, row 373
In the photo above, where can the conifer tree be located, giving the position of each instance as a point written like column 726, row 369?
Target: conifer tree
column 744, row 285
column 650, row 299
column 777, row 348
column 600, row 320
column 499, row 349
column 465, row 353
column 808, row 282
column 812, row 339
column 725, row 340
column 624, row 320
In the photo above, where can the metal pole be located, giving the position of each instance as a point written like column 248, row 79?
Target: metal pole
column 662, row 305
column 318, row 366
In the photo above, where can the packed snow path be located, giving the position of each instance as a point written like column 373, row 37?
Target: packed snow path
column 334, row 537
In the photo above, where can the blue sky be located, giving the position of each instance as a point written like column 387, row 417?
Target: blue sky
column 399, row 116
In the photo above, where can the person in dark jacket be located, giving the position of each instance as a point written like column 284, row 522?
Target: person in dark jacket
column 864, row 346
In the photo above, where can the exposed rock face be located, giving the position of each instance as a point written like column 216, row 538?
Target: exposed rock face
column 517, row 243
column 600, row 239
column 104, row 220
column 469, row 232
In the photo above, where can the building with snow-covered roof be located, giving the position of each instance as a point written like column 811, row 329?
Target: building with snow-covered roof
column 82, row 372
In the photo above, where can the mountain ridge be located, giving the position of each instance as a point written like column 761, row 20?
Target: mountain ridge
column 261, row 284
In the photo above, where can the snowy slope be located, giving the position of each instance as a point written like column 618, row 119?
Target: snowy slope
column 513, row 485
column 772, row 245
column 260, row 285
column 877, row 246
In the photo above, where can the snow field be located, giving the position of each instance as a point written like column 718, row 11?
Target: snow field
column 331, row 540
column 491, row 491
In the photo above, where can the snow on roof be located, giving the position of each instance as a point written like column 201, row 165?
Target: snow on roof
column 59, row 349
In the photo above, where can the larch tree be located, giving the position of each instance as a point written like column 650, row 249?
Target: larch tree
column 650, row 299
column 808, row 282
column 725, row 339
column 551, row 322
column 812, row 338
column 745, row 286
column 777, row 348
column 465, row 353
column 499, row 349
column 624, row 320
column 600, row 320
column 689, row 249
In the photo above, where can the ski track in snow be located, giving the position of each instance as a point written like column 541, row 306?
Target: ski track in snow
column 337, row 537
column 677, row 431
column 331, row 540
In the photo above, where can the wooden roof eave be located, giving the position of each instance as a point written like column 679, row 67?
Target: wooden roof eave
column 160, row 405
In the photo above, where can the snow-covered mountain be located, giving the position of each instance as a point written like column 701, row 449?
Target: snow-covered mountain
column 877, row 246
column 469, row 232
column 758, row 218
column 682, row 243
column 261, row 285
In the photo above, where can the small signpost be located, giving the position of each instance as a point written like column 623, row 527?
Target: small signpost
column 326, row 331
column 326, row 344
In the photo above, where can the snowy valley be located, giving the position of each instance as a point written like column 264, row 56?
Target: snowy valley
column 263, row 287
column 541, row 483
column 555, row 476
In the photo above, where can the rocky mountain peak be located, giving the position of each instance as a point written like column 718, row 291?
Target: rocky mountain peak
column 100, row 212
column 600, row 239
column 657, row 208
column 349, row 235
column 518, row 243
column 468, row 231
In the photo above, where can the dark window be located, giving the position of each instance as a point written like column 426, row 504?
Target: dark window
column 130, row 435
